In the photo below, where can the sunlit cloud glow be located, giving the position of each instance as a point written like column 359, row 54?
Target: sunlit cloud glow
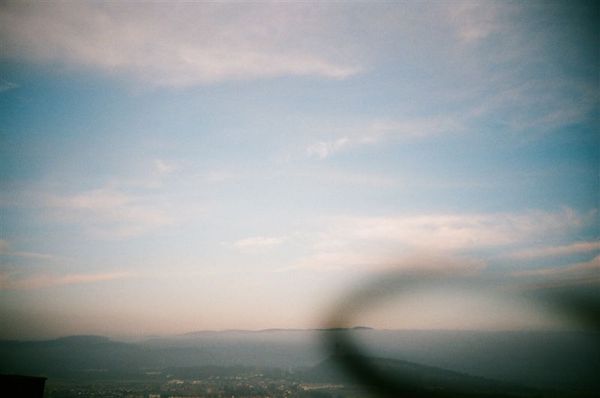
column 562, row 250
column 8, row 282
column 172, row 46
column 235, row 156
column 258, row 242
column 109, row 213
column 583, row 273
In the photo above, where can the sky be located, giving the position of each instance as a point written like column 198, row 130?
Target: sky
column 202, row 166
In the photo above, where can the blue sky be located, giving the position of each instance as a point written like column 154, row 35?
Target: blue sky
column 168, row 168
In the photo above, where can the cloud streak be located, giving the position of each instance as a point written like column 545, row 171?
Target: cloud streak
column 592, row 266
column 383, row 131
column 258, row 242
column 554, row 251
column 164, row 168
column 5, row 250
column 109, row 213
column 371, row 242
column 583, row 273
column 172, row 45
column 8, row 282
column 459, row 231
column 5, row 85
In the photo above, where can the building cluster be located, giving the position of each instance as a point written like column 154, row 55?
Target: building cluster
column 252, row 386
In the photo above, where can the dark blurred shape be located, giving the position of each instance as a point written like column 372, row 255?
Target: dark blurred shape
column 583, row 311
column 384, row 377
column 22, row 386
column 581, row 305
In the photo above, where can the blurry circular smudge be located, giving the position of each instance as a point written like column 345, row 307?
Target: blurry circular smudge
column 582, row 310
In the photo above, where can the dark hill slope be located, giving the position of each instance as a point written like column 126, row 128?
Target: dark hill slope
column 422, row 381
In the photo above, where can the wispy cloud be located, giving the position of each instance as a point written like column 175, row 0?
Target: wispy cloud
column 172, row 45
column 6, row 250
column 475, row 21
column 384, row 260
column 163, row 167
column 5, row 85
column 457, row 231
column 561, row 250
column 388, row 130
column 369, row 241
column 592, row 266
column 217, row 176
column 323, row 149
column 527, row 109
column 332, row 176
column 583, row 273
column 109, row 213
column 536, row 106
column 9, row 282
column 258, row 242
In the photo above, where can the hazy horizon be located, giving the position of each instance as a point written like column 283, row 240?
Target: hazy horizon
column 168, row 168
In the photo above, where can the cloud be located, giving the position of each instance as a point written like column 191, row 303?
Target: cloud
column 122, row 209
column 176, row 44
column 163, row 168
column 518, row 36
column 334, row 177
column 372, row 242
column 538, row 105
column 458, row 231
column 180, row 45
column 385, row 260
column 573, row 269
column 475, row 21
column 258, row 242
column 573, row 274
column 323, row 149
column 5, row 250
column 388, row 130
column 5, row 85
column 8, row 282
column 550, row 251
column 217, row 176
column 528, row 109
column 109, row 213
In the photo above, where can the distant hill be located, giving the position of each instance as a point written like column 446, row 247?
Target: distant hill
column 560, row 360
column 63, row 356
column 272, row 330
column 99, row 358
column 425, row 381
